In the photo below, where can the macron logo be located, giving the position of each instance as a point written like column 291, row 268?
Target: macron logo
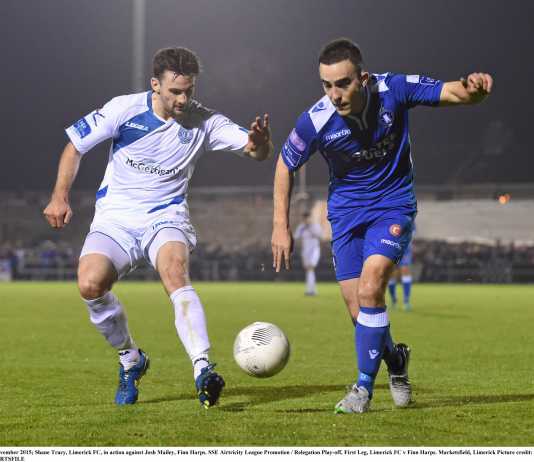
column 373, row 353
column 391, row 243
column 136, row 126
column 338, row 134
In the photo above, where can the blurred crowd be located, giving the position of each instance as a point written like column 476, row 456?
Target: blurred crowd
column 434, row 261
column 20, row 261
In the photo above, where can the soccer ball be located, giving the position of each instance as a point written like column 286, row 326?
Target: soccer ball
column 261, row 349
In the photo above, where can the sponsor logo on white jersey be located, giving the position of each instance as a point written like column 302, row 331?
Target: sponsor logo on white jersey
column 82, row 127
column 159, row 224
column 144, row 167
column 137, row 126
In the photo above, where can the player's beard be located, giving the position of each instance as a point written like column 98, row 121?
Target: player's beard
column 180, row 114
column 344, row 109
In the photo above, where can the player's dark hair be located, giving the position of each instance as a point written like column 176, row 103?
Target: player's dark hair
column 180, row 60
column 340, row 50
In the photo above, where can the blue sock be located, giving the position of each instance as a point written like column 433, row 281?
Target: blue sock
column 392, row 284
column 371, row 336
column 406, row 287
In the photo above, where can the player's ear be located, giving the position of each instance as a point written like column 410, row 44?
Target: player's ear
column 364, row 78
column 154, row 83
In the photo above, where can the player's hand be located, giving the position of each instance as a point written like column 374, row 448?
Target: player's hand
column 282, row 246
column 259, row 133
column 58, row 212
column 478, row 86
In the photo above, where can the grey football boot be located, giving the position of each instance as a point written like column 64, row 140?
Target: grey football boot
column 399, row 383
column 356, row 401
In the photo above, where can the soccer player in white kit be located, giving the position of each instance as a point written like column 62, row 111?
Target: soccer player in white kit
column 309, row 234
column 141, row 207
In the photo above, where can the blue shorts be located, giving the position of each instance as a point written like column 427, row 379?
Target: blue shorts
column 388, row 233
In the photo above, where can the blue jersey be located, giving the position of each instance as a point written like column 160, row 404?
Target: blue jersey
column 368, row 155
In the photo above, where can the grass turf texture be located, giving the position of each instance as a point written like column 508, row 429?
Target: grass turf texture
column 472, row 357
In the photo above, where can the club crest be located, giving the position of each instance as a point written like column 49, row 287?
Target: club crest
column 395, row 230
column 185, row 135
column 386, row 117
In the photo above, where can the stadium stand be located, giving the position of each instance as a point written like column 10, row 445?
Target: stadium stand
column 469, row 234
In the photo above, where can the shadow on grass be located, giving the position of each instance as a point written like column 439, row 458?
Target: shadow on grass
column 261, row 394
column 457, row 401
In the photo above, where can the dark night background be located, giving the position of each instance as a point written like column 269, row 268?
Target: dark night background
column 64, row 58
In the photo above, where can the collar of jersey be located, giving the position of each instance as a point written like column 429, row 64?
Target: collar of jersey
column 151, row 109
column 361, row 118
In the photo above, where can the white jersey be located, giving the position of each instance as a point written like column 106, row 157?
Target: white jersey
column 151, row 159
column 309, row 235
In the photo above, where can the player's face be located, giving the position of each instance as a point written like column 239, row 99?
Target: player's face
column 174, row 92
column 344, row 86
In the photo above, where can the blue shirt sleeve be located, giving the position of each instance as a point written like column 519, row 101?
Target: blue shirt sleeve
column 300, row 144
column 415, row 90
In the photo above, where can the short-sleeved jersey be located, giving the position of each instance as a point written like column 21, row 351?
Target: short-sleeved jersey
column 151, row 159
column 368, row 155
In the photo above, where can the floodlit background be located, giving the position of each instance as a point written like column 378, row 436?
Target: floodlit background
column 64, row 58
column 472, row 345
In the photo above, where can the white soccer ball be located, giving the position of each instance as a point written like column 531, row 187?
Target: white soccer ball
column 261, row 349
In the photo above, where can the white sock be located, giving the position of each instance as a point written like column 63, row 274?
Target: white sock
column 310, row 282
column 129, row 357
column 199, row 363
column 109, row 318
column 190, row 321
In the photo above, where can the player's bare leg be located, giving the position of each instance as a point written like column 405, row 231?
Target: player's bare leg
column 96, row 275
column 349, row 292
column 172, row 264
column 376, row 273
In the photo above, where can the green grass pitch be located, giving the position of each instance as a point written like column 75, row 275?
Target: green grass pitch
column 472, row 370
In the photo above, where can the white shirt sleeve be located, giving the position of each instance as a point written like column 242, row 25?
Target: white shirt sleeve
column 95, row 127
column 225, row 135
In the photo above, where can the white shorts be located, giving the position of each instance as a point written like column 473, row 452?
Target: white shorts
column 126, row 246
column 311, row 257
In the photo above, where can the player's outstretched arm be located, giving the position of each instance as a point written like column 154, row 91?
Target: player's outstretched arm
column 259, row 146
column 58, row 212
column 281, row 241
column 471, row 90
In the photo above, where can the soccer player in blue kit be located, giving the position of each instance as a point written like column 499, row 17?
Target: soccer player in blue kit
column 360, row 127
